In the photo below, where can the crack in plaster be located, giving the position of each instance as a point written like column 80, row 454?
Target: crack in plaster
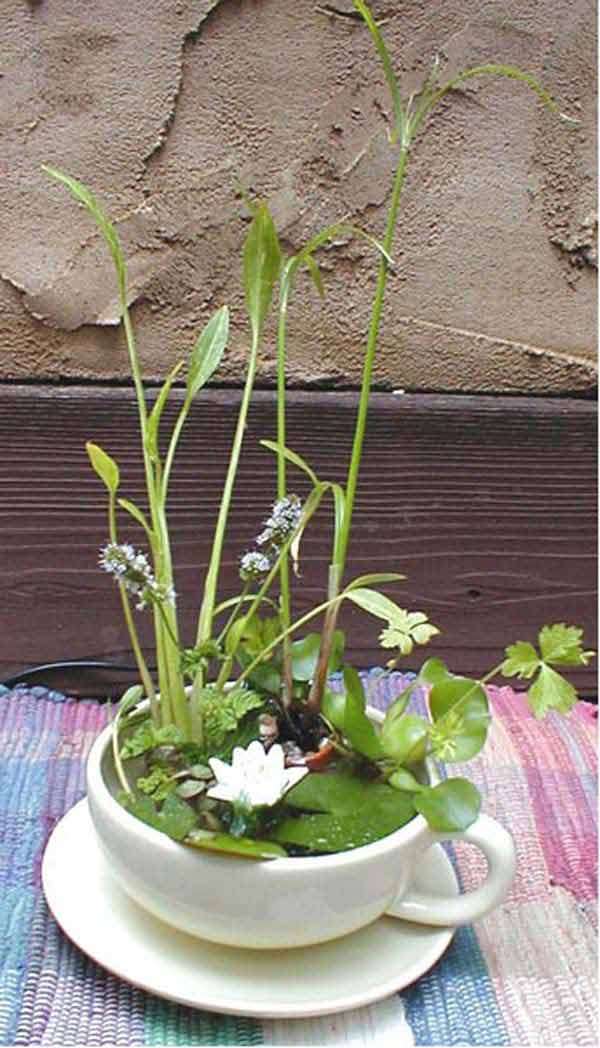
column 495, row 340
column 191, row 35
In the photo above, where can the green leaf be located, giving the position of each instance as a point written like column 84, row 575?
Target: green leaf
column 397, row 707
column 433, row 671
column 315, row 274
column 146, row 737
column 550, row 691
column 305, row 655
column 372, row 580
column 451, row 806
column 292, row 457
column 375, row 603
column 104, row 466
column 130, row 699
column 404, row 738
column 512, row 73
column 262, row 262
column 333, row 706
column 358, row 729
column 404, row 780
column 561, row 644
column 406, row 629
column 355, row 812
column 242, row 846
column 336, row 791
column 310, row 507
column 223, row 711
column 208, row 351
column 460, row 711
column 137, row 514
column 386, row 63
column 156, row 413
column 175, row 818
column 86, row 197
column 158, row 784
column 521, row 661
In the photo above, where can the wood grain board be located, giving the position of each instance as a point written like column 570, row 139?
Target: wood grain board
column 486, row 504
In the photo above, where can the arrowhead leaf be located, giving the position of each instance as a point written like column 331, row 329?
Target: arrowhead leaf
column 262, row 262
column 104, row 466
column 208, row 351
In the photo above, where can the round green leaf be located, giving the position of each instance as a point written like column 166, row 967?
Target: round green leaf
column 451, row 806
column 460, row 711
column 404, row 738
column 405, row 781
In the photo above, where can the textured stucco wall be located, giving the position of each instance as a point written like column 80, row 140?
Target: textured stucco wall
column 160, row 105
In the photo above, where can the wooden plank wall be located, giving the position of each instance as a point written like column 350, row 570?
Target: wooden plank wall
column 486, row 504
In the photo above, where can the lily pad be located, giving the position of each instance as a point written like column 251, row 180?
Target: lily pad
column 342, row 812
column 337, row 792
column 385, row 811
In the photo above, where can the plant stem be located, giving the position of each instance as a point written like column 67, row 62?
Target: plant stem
column 291, row 629
column 210, row 585
column 133, row 635
column 284, row 568
column 341, row 549
column 174, row 709
column 117, row 756
column 309, row 509
column 361, row 419
column 183, row 414
column 234, row 613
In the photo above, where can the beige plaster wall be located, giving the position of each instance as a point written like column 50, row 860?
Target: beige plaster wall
column 159, row 105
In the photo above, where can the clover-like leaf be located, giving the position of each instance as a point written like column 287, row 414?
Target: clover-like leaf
column 550, row 691
column 522, row 660
column 561, row 644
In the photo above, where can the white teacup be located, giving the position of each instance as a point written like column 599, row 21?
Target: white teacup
column 285, row 902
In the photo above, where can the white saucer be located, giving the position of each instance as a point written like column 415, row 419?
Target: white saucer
column 347, row 973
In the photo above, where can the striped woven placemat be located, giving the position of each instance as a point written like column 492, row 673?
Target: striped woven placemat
column 525, row 975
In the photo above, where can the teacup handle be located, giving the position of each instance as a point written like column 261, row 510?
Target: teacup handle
column 498, row 847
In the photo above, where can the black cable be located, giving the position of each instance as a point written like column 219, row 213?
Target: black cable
column 32, row 671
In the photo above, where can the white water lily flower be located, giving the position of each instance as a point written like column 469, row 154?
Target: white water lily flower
column 255, row 778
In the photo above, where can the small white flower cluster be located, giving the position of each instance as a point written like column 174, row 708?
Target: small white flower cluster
column 254, row 565
column 132, row 569
column 282, row 523
column 255, row 778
